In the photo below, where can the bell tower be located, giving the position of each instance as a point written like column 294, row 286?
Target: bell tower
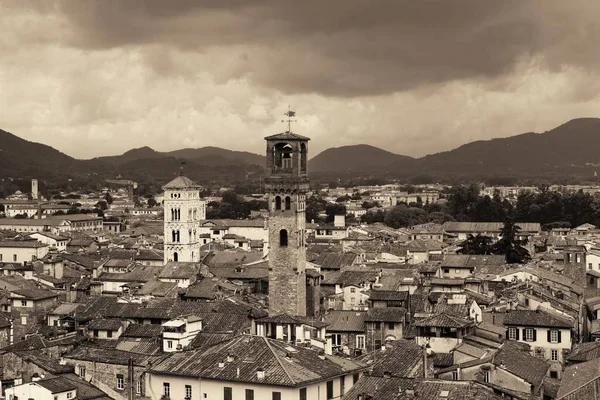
column 183, row 211
column 286, row 184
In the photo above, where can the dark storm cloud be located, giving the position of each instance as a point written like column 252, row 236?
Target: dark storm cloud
column 350, row 47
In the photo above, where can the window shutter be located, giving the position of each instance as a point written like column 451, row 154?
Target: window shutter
column 517, row 334
column 507, row 335
column 524, row 334
column 549, row 335
column 534, row 335
column 558, row 335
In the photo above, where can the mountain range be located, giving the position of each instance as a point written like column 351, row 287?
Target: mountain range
column 568, row 150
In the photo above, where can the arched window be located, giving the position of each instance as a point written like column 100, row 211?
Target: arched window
column 288, row 203
column 283, row 238
column 303, row 154
column 174, row 236
column 278, row 203
column 175, row 257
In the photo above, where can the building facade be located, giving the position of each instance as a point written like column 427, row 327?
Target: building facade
column 183, row 211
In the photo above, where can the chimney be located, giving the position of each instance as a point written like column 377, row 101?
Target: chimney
column 339, row 221
column 230, row 357
column 260, row 373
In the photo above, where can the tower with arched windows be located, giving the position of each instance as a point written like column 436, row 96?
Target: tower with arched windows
column 183, row 211
column 286, row 184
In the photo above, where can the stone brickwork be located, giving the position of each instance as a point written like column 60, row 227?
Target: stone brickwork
column 287, row 183
column 104, row 377
column 287, row 279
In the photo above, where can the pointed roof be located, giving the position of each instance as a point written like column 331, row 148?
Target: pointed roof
column 287, row 136
column 181, row 182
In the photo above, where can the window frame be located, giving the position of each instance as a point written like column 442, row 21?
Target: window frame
column 167, row 389
column 512, row 333
column 529, row 335
column 553, row 336
column 361, row 339
column 120, row 382
column 553, row 355
column 188, row 391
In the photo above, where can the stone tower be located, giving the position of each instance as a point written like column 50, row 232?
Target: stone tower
column 183, row 209
column 286, row 184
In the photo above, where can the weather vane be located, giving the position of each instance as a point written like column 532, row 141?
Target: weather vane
column 289, row 114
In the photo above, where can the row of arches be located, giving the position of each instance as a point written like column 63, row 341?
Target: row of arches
column 283, row 204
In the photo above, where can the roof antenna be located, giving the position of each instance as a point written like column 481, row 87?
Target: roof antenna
column 289, row 114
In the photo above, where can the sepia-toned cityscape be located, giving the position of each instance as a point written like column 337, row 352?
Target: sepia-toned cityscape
column 277, row 200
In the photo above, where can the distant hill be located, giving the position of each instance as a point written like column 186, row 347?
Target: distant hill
column 202, row 156
column 568, row 150
column 357, row 159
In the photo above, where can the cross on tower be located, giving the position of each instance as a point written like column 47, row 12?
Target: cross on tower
column 289, row 114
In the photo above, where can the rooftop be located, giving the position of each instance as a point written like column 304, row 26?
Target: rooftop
column 534, row 318
column 281, row 363
column 181, row 182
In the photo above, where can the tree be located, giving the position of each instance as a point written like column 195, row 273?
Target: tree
column 510, row 245
column 314, row 206
column 152, row 202
column 231, row 197
column 402, row 216
column 372, row 217
column 334, row 209
column 108, row 198
column 367, row 205
column 476, row 245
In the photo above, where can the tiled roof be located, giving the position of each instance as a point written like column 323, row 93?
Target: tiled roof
column 66, row 308
column 283, row 364
column 585, row 352
column 288, row 319
column 472, row 261
column 345, row 321
column 335, row 260
column 180, row 270
column 401, row 358
column 534, row 318
column 85, row 390
column 487, row 227
column 442, row 360
column 442, row 321
column 204, row 340
column 447, row 282
column 56, row 385
column 386, row 314
column 103, row 324
column 389, row 295
column 238, row 223
column 33, row 294
column 22, row 244
column 106, row 355
column 143, row 331
column 286, row 136
column 42, row 360
column 181, row 182
column 580, row 381
column 356, row 277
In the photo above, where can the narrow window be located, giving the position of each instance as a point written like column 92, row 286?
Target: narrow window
column 303, row 394
column 175, row 257
column 283, row 238
column 554, row 355
column 249, row 394
column 188, row 391
column 288, row 203
column 329, row 389
column 227, row 393
column 166, row 389
column 120, row 382
column 278, row 203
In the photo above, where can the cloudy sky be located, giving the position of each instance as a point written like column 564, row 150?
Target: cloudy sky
column 101, row 77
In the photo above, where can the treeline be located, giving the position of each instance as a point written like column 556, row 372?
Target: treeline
column 233, row 206
column 463, row 203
